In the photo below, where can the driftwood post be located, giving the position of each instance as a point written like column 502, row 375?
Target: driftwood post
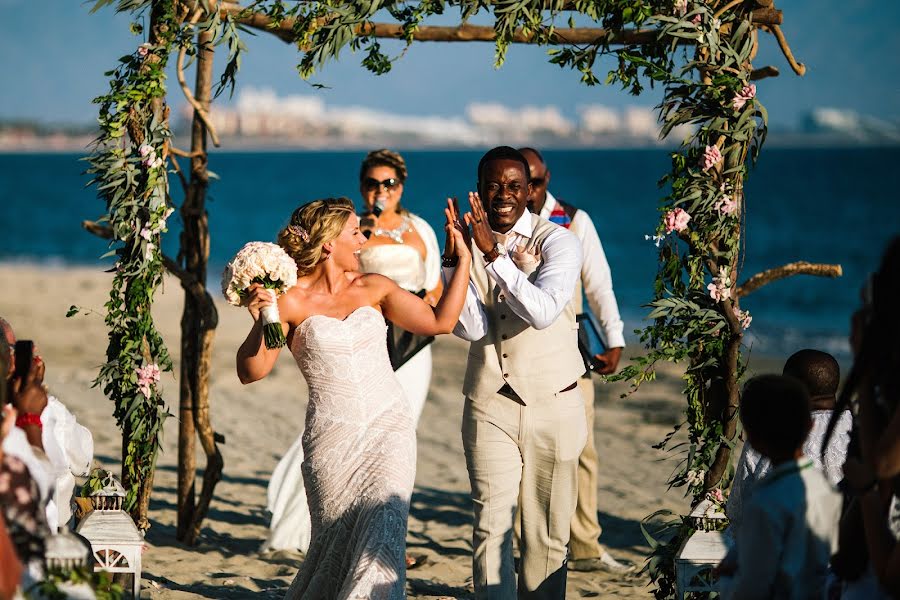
column 199, row 317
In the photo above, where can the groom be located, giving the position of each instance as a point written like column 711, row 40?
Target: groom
column 523, row 423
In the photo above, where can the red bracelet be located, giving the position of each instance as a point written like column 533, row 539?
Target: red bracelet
column 29, row 419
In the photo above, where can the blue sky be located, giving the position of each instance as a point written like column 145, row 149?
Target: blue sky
column 54, row 55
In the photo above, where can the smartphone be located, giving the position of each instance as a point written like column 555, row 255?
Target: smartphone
column 24, row 357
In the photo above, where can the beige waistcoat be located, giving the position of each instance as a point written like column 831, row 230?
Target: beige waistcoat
column 535, row 363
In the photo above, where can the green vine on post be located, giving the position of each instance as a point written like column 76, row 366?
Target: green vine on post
column 128, row 165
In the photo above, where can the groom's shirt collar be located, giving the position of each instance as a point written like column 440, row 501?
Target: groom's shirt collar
column 522, row 227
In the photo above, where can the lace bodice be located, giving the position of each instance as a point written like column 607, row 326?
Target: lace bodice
column 359, row 461
column 400, row 262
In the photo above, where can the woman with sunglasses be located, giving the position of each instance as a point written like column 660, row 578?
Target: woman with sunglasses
column 401, row 246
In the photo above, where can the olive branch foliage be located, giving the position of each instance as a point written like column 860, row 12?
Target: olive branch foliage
column 700, row 59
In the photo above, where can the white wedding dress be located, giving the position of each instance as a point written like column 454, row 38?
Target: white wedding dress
column 360, row 459
column 290, row 528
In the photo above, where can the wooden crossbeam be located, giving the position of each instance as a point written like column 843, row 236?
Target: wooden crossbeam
column 481, row 33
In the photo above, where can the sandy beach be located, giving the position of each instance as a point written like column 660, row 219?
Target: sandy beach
column 260, row 422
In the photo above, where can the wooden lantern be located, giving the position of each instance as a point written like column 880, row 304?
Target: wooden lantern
column 701, row 551
column 115, row 541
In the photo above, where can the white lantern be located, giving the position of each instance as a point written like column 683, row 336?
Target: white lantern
column 66, row 550
column 702, row 551
column 115, row 541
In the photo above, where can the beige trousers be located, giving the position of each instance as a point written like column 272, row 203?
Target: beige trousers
column 585, row 526
column 527, row 455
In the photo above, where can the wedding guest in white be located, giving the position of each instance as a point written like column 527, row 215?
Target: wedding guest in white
column 523, row 427
column 820, row 373
column 58, row 447
column 401, row 246
column 789, row 528
column 596, row 285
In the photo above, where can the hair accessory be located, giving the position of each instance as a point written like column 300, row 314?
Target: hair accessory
column 299, row 231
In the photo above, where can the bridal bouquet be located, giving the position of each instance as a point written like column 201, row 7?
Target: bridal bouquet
column 267, row 264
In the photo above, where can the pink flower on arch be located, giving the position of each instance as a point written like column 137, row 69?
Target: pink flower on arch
column 697, row 19
column 143, row 50
column 680, row 7
column 748, row 92
column 676, row 220
column 717, row 496
column 710, row 158
column 720, row 288
column 148, row 375
column 743, row 316
column 726, row 205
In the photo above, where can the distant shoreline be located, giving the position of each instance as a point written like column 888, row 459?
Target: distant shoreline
column 776, row 141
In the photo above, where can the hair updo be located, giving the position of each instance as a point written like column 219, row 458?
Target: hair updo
column 312, row 225
column 384, row 158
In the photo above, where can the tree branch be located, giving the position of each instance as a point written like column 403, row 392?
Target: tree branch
column 189, row 96
column 101, row 231
column 798, row 67
column 479, row 33
column 763, row 72
column 795, row 268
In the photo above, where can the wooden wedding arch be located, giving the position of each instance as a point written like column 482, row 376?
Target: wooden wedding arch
column 700, row 51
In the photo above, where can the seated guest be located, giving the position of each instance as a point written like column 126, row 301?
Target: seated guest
column 20, row 504
column 820, row 374
column 64, row 447
column 869, row 557
column 790, row 520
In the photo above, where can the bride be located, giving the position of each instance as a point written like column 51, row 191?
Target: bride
column 359, row 440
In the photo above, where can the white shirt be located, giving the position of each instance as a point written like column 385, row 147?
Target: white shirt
column 539, row 303
column 596, row 277
column 787, row 537
column 752, row 466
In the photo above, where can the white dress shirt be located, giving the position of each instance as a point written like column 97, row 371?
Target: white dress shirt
column 596, row 278
column 539, row 303
column 787, row 537
column 752, row 466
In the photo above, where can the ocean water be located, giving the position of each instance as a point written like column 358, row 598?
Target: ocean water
column 821, row 205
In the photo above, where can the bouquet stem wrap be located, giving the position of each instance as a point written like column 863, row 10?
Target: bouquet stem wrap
column 272, row 331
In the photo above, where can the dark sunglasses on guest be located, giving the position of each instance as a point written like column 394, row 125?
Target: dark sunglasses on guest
column 370, row 183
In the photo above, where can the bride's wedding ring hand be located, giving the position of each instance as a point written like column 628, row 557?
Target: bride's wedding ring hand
column 257, row 298
column 459, row 222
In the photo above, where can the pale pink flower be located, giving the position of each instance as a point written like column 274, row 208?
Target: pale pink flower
column 717, row 23
column 711, row 157
column 694, row 477
column 146, row 150
column 146, row 234
column 743, row 316
column 748, row 92
column 726, row 205
column 717, row 496
column 680, row 7
column 720, row 288
column 676, row 220
column 143, row 50
column 148, row 375
column 697, row 19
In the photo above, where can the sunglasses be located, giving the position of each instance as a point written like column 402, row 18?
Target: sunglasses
column 370, row 183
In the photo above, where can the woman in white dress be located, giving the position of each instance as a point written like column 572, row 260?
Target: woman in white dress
column 401, row 246
column 359, row 440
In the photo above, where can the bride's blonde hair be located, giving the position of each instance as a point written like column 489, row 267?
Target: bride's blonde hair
column 312, row 225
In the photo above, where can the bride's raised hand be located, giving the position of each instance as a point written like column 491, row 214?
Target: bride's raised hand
column 460, row 245
column 257, row 298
